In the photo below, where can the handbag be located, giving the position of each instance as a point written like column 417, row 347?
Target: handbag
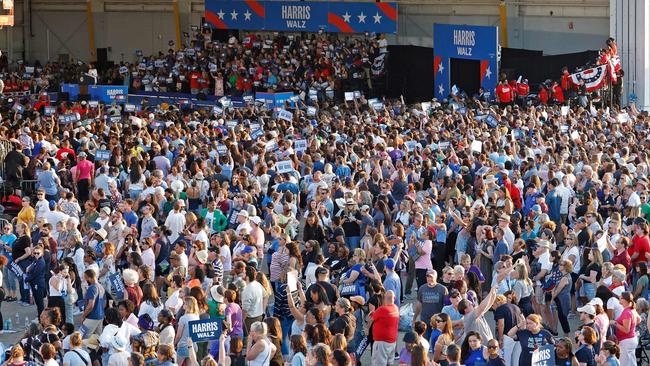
column 413, row 252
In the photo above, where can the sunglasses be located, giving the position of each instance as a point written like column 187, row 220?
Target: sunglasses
column 493, row 347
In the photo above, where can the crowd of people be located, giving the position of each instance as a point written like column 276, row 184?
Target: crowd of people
column 312, row 239
column 323, row 64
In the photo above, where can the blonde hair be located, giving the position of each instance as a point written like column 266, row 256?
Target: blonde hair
column 535, row 318
column 522, row 273
column 192, row 305
column 359, row 253
column 260, row 328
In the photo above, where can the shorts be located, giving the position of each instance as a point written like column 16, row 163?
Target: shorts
column 382, row 353
column 588, row 290
column 540, row 295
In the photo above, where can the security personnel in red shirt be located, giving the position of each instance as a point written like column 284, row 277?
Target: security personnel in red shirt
column 522, row 92
column 558, row 94
column 566, row 80
column 543, row 94
column 504, row 94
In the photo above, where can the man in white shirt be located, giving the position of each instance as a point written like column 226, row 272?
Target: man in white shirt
column 102, row 180
column 508, row 235
column 252, row 299
column 242, row 218
column 565, row 193
column 176, row 221
column 180, row 250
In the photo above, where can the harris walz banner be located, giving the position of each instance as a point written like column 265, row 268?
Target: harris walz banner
column 312, row 16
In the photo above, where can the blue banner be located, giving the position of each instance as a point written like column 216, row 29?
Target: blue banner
column 106, row 93
column 273, row 100
column 205, row 330
column 312, row 16
column 465, row 42
column 71, row 89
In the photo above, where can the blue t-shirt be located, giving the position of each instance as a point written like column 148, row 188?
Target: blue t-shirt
column 475, row 357
column 433, row 339
column 130, row 218
column 392, row 282
column 9, row 240
column 97, row 293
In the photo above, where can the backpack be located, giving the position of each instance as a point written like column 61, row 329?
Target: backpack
column 552, row 279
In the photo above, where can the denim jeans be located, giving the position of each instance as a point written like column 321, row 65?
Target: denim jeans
column 286, row 334
column 352, row 242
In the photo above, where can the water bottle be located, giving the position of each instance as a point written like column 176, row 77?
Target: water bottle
column 27, row 322
column 8, row 324
column 17, row 322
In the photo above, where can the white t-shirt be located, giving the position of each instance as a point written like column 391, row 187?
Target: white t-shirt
column 545, row 262
column 72, row 358
column 149, row 258
column 615, row 305
column 226, row 259
column 575, row 252
column 119, row 359
column 148, row 308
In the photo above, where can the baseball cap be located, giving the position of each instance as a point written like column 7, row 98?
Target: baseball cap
column 588, row 309
column 389, row 263
column 595, row 301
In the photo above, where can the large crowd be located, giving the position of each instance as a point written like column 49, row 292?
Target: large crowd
column 472, row 233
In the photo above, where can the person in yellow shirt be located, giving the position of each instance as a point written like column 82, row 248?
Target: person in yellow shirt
column 27, row 214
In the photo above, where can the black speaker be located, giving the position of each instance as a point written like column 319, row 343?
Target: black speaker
column 63, row 97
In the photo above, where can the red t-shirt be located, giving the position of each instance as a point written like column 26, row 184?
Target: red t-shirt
column 504, row 92
column 558, row 94
column 385, row 323
column 523, row 89
column 623, row 258
column 543, row 95
column 641, row 245
column 194, row 80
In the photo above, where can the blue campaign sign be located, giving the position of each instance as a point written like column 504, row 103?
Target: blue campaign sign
column 106, row 93
column 205, row 330
column 117, row 286
column 312, row 16
column 273, row 100
column 465, row 42
column 102, row 155
column 544, row 356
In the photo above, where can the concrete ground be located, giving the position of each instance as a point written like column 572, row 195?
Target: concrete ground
column 9, row 310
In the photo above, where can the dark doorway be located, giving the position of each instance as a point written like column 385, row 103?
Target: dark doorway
column 466, row 75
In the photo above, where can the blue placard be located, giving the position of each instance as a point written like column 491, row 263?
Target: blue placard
column 544, row 356
column 49, row 110
column 205, row 330
column 312, row 16
column 102, row 155
column 117, row 286
column 465, row 42
column 276, row 100
column 15, row 268
column 106, row 93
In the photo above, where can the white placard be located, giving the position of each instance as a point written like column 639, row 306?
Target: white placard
column 284, row 166
column 426, row 106
column 443, row 145
column 477, row 146
column 285, row 115
column 575, row 135
column 271, row 145
column 349, row 96
column 292, row 280
column 311, row 111
column 564, row 110
column 300, row 145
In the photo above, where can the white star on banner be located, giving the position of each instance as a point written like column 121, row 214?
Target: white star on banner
column 234, row 14
column 488, row 73
column 377, row 17
column 440, row 68
column 362, row 18
column 247, row 15
column 221, row 14
column 346, row 17
column 441, row 90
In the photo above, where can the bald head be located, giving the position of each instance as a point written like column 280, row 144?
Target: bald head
column 389, row 298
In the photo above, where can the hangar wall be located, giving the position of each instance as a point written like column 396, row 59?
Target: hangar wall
column 46, row 29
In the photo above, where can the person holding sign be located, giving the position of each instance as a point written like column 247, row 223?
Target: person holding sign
column 530, row 334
